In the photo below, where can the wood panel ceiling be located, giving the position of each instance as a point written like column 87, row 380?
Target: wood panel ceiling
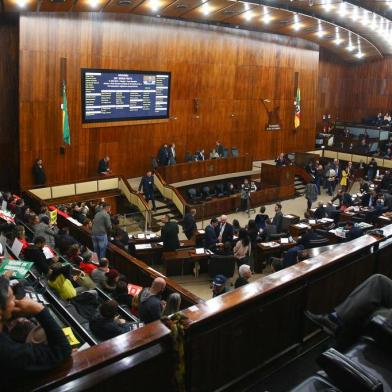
column 355, row 30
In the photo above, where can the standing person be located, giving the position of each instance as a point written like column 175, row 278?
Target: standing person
column 224, row 231
column 147, row 184
column 210, row 238
column 19, row 360
column 372, row 169
column 219, row 149
column 39, row 173
column 261, row 219
column 331, row 180
column 311, row 193
column 344, row 179
column 169, row 234
column 245, row 194
column 278, row 218
column 338, row 172
column 102, row 225
column 189, row 223
column 172, row 154
column 103, row 166
column 163, row 155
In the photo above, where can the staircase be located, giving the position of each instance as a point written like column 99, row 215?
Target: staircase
column 164, row 207
column 299, row 186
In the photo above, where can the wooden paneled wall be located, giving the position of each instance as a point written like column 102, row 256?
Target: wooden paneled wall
column 331, row 92
column 9, row 147
column 228, row 70
column 351, row 92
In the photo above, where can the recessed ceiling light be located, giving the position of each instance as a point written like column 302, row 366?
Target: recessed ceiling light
column 22, row 3
column 154, row 5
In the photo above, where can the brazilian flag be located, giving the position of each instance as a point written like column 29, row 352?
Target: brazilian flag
column 64, row 108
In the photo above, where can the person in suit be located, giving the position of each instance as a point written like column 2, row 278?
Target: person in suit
column 39, row 173
column 219, row 149
column 311, row 193
column 189, row 223
column 372, row 297
column 320, row 211
column 169, row 234
column 163, row 155
column 200, row 155
column 261, row 219
column 352, row 231
column 369, row 199
column 103, row 166
column 172, row 154
column 147, row 184
column 278, row 218
column 210, row 237
column 224, row 231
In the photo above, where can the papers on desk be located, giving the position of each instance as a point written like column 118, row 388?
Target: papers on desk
column 301, row 226
column 312, row 221
column 16, row 247
column 326, row 220
column 134, row 290
column 160, row 243
column 74, row 221
column 384, row 217
column 142, row 246
column 271, row 244
column 338, row 232
column 284, row 240
column 201, row 231
column 199, row 251
column 140, row 236
column 150, row 236
column 364, row 225
column 289, row 216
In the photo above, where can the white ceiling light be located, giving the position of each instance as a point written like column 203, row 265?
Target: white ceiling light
column 343, row 9
column 266, row 17
column 297, row 25
column 365, row 18
column 327, row 5
column 320, row 31
column 355, row 15
column 338, row 40
column 206, row 9
column 350, row 46
column 154, row 5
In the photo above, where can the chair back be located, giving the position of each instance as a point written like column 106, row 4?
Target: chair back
column 221, row 265
column 234, row 151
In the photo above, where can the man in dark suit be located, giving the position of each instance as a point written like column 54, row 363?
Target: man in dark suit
column 39, row 173
column 219, row 149
column 163, row 155
column 210, row 237
column 36, row 254
column 189, row 223
column 278, row 218
column 103, row 166
column 169, row 234
column 353, row 232
column 224, row 231
column 372, row 297
column 200, row 155
column 147, row 184
column 369, row 199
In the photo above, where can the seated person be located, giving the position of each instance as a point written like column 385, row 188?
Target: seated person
column 225, row 250
column 60, row 280
column 370, row 298
column 120, row 235
column 219, row 285
column 308, row 237
column 21, row 236
column 280, row 161
column 200, row 155
column 261, row 219
column 236, row 227
column 230, row 188
column 242, row 247
column 35, row 254
column 44, row 229
column 87, row 265
column 107, row 324
column 320, row 211
column 291, row 257
column 63, row 240
column 244, row 275
column 100, row 277
column 388, row 154
column 20, row 360
column 173, row 304
column 352, row 231
column 121, row 294
column 150, row 304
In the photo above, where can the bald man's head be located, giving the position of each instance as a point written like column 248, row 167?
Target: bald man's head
column 158, row 286
column 223, row 218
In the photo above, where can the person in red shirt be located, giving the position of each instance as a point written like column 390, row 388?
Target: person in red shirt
column 21, row 236
column 86, row 265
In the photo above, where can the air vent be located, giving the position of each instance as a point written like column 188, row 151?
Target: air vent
column 124, row 2
column 229, row 12
column 284, row 21
column 57, row 1
column 181, row 6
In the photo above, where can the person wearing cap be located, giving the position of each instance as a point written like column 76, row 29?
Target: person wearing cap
column 107, row 324
column 20, row 360
column 245, row 273
column 151, row 306
column 219, row 285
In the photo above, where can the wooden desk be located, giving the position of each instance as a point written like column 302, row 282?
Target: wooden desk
column 183, row 261
column 298, row 229
column 211, row 167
